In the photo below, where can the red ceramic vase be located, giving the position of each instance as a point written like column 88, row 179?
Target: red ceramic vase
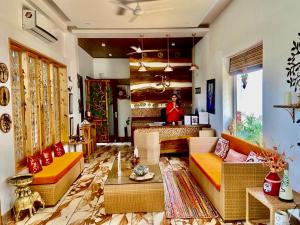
column 272, row 184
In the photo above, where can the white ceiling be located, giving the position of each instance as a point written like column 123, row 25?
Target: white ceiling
column 98, row 18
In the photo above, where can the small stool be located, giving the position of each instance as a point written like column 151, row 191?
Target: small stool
column 87, row 148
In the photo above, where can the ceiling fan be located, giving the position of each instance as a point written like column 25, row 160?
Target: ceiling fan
column 139, row 50
column 123, row 3
column 137, row 10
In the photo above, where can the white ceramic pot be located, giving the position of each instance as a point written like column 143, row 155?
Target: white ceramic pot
column 281, row 218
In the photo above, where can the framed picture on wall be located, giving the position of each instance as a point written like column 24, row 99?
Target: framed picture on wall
column 187, row 120
column 194, row 120
column 210, row 95
column 70, row 103
column 71, row 126
column 198, row 90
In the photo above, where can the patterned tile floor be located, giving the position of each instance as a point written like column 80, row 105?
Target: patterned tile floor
column 83, row 203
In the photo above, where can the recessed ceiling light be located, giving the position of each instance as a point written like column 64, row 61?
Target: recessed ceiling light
column 173, row 44
column 103, row 44
column 109, row 54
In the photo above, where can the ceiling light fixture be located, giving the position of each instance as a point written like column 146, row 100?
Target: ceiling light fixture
column 193, row 66
column 142, row 67
column 103, row 44
column 168, row 68
column 109, row 54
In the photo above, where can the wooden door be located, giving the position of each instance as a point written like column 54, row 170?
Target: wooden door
column 98, row 96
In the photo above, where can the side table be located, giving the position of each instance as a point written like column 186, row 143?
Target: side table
column 261, row 208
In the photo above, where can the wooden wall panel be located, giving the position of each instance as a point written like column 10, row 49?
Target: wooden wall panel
column 56, row 107
column 40, row 102
column 64, row 105
column 18, row 103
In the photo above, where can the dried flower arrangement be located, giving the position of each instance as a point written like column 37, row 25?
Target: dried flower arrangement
column 276, row 161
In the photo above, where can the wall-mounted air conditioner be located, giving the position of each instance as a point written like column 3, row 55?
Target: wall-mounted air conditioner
column 32, row 22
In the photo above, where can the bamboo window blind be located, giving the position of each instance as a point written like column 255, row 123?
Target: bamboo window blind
column 247, row 61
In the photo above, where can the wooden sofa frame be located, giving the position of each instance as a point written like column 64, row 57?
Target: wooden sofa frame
column 230, row 201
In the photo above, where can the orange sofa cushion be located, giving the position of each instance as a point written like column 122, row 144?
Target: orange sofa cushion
column 210, row 164
column 56, row 170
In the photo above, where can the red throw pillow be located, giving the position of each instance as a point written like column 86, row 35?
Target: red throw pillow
column 222, row 148
column 47, row 158
column 34, row 164
column 58, row 149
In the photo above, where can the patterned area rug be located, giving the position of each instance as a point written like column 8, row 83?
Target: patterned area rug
column 184, row 198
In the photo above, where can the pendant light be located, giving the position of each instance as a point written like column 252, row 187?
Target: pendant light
column 168, row 68
column 142, row 67
column 193, row 66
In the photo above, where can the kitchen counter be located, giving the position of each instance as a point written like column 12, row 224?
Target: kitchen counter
column 173, row 139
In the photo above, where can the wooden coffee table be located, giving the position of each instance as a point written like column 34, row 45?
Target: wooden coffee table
column 122, row 195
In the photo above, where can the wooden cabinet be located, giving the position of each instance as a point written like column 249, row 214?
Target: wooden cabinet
column 98, row 94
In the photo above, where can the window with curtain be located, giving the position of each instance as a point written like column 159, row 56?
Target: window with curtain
column 37, row 105
column 247, row 67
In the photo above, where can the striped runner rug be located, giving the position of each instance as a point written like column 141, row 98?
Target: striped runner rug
column 184, row 198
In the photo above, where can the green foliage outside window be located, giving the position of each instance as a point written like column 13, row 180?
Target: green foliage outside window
column 250, row 129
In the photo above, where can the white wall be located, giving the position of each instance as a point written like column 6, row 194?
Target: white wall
column 63, row 51
column 85, row 62
column 107, row 68
column 242, row 24
column 85, row 68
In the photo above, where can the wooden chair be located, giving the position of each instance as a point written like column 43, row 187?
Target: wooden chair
column 148, row 146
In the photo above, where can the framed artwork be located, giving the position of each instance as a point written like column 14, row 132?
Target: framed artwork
column 210, row 95
column 71, row 126
column 198, row 90
column 187, row 120
column 70, row 103
column 194, row 120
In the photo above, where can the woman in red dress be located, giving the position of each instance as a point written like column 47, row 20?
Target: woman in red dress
column 173, row 110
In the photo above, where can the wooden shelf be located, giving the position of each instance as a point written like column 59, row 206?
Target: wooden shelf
column 290, row 108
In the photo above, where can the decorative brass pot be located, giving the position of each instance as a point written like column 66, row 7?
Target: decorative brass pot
column 20, row 180
column 25, row 197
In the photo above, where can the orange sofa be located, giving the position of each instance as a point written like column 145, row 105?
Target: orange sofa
column 225, row 183
column 55, row 179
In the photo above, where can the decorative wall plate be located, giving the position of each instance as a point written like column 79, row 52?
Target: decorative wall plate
column 5, row 123
column 4, row 96
column 3, row 73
